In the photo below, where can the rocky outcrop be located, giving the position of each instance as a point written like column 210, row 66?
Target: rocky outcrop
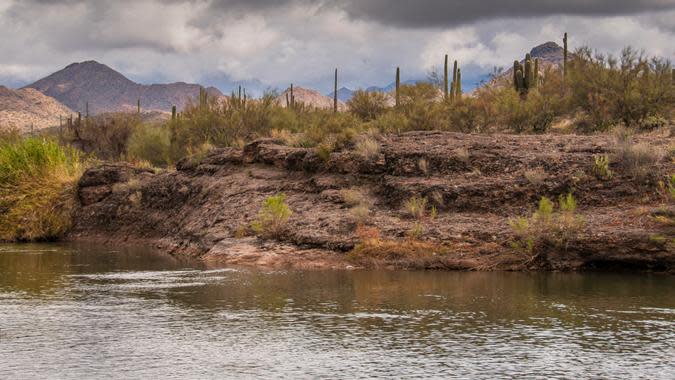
column 477, row 183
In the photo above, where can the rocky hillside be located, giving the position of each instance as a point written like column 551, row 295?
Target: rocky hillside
column 479, row 184
column 25, row 107
column 106, row 90
column 310, row 98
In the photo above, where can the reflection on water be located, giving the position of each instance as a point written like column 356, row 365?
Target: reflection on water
column 86, row 312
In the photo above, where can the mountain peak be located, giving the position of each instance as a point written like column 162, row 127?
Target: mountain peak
column 103, row 89
column 548, row 51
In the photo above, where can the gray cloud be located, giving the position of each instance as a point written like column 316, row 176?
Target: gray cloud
column 444, row 13
column 301, row 41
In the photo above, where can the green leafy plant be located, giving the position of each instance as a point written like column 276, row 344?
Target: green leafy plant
column 546, row 226
column 601, row 168
column 272, row 217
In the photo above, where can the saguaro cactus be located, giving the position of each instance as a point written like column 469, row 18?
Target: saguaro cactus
column 335, row 95
column 565, row 55
column 445, row 78
column 535, row 74
column 398, row 86
column 454, row 80
column 458, row 85
column 138, row 106
column 525, row 77
column 173, row 113
column 292, row 97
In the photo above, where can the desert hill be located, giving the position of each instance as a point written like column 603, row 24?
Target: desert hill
column 25, row 107
column 106, row 90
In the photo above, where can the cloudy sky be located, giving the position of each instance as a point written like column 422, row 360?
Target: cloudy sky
column 301, row 41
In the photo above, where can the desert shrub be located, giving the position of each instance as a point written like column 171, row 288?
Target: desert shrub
column 272, row 217
column 416, row 207
column 151, row 143
column 628, row 89
column 391, row 122
column 37, row 189
column 355, row 197
column 423, row 165
column 463, row 115
column 638, row 160
column 667, row 188
column 367, row 105
column 601, row 167
column 360, row 203
column 106, row 135
column 536, row 176
column 547, row 226
column 367, row 147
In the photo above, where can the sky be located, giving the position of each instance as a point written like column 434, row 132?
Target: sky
column 220, row 42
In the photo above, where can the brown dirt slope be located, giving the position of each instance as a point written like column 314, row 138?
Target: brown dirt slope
column 477, row 182
column 19, row 109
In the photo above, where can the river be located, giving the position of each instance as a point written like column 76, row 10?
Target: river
column 82, row 311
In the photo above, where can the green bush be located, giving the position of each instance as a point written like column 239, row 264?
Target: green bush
column 367, row 105
column 629, row 89
column 272, row 217
column 547, row 226
column 151, row 143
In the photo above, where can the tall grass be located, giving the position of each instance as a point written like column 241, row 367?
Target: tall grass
column 37, row 188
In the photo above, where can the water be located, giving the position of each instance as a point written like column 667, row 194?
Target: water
column 89, row 312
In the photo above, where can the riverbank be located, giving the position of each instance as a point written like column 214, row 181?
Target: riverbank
column 349, row 207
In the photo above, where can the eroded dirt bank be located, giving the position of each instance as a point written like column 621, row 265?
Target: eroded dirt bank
column 476, row 182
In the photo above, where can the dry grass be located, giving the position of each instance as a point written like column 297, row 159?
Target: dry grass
column 463, row 155
column 367, row 147
column 638, row 160
column 536, row 176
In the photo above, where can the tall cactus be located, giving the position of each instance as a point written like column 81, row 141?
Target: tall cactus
column 398, row 86
column 138, row 106
column 335, row 94
column 458, row 85
column 292, row 97
column 535, row 74
column 445, row 78
column 527, row 74
column 454, row 80
column 565, row 55
column 86, row 110
column 173, row 113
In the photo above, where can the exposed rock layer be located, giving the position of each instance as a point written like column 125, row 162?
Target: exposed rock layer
column 477, row 182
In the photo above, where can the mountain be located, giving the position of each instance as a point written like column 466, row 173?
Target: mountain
column 344, row 94
column 25, row 107
column 550, row 54
column 106, row 90
column 309, row 97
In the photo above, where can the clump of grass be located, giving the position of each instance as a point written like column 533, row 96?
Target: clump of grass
column 601, row 168
column 667, row 188
column 547, row 226
column 37, row 189
column 272, row 217
column 367, row 147
column 536, row 176
column 463, row 155
column 423, row 165
column 416, row 207
column 636, row 159
column 360, row 204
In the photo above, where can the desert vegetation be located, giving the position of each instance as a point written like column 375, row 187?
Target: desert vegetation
column 37, row 187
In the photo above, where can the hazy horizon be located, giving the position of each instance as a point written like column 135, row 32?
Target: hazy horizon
column 223, row 42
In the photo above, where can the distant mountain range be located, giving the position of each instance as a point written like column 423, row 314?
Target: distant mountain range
column 106, row 90
column 28, row 108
